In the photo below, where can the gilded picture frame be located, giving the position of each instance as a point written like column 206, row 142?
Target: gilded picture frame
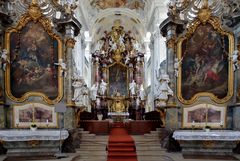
column 200, row 115
column 213, row 26
column 42, row 115
column 38, row 55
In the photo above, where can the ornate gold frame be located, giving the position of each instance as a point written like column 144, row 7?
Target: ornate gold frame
column 203, row 124
column 40, row 125
column 204, row 18
column 33, row 14
column 118, row 62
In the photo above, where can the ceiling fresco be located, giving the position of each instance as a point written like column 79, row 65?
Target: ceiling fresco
column 131, row 4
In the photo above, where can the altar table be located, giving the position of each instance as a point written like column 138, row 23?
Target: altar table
column 26, row 142
column 199, row 142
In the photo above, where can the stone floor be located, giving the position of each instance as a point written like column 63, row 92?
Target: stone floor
column 93, row 148
column 163, row 157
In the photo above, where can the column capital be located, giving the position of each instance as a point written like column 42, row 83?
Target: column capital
column 70, row 42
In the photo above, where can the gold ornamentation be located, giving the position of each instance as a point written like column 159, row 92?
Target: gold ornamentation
column 208, row 144
column 216, row 24
column 171, row 43
column 204, row 15
column 33, row 14
column 70, row 43
column 33, row 143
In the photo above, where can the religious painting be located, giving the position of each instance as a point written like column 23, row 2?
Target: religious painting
column 131, row 4
column 41, row 114
column 204, row 114
column 33, row 50
column 205, row 68
column 117, row 79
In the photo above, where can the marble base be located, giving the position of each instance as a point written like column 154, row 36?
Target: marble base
column 32, row 148
column 207, row 147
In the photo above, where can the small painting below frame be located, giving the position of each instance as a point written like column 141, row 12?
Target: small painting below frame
column 204, row 114
column 42, row 115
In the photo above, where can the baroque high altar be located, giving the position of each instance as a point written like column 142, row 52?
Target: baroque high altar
column 118, row 73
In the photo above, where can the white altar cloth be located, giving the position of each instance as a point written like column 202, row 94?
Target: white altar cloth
column 118, row 114
column 27, row 135
column 220, row 135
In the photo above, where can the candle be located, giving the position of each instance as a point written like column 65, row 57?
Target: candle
column 47, row 121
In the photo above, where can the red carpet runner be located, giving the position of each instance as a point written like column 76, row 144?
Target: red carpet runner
column 121, row 146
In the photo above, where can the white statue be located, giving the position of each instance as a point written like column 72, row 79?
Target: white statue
column 103, row 87
column 63, row 67
column 93, row 92
column 4, row 59
column 127, row 58
column 163, row 89
column 113, row 45
column 79, row 92
column 99, row 45
column 142, row 93
column 235, row 60
column 177, row 63
column 132, row 87
column 137, row 46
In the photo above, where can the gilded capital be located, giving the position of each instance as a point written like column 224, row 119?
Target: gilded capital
column 70, row 43
column 171, row 43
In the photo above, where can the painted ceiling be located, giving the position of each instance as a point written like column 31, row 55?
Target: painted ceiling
column 131, row 4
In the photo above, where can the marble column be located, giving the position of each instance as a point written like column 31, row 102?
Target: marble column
column 170, row 29
column 70, row 27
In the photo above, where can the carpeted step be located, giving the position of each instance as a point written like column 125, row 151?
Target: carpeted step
column 121, row 144
column 120, row 159
column 120, row 154
column 125, row 149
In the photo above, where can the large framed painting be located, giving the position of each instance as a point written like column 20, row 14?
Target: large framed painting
column 205, row 67
column 117, row 79
column 33, row 49
column 204, row 114
column 238, row 71
column 42, row 115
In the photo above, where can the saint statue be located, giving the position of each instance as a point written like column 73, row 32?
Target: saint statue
column 132, row 87
column 142, row 93
column 103, row 87
column 80, row 90
column 163, row 89
column 93, row 92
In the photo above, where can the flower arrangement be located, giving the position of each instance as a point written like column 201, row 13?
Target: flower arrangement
column 207, row 127
column 33, row 126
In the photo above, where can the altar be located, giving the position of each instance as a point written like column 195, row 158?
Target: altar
column 199, row 142
column 118, row 116
column 28, row 143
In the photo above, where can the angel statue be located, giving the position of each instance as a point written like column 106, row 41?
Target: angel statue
column 4, row 59
column 234, row 59
column 63, row 67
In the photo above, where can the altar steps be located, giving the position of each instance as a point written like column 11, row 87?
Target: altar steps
column 148, row 147
column 92, row 147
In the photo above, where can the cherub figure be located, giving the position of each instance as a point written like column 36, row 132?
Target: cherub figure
column 234, row 59
column 177, row 63
column 63, row 67
column 4, row 59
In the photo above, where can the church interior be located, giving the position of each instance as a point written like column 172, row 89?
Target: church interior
column 119, row 80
